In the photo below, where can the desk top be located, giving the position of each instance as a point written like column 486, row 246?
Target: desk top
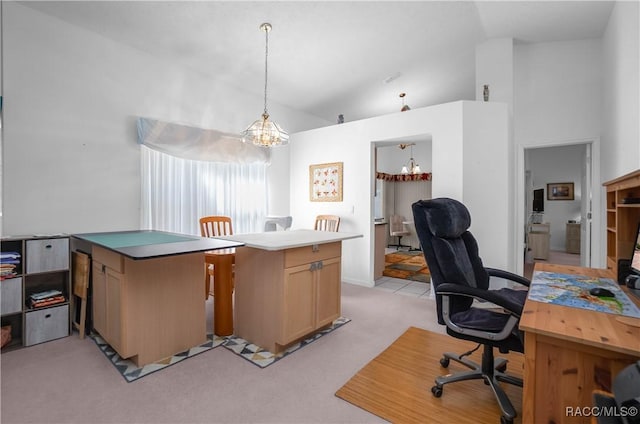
column 280, row 240
column 147, row 244
column 599, row 329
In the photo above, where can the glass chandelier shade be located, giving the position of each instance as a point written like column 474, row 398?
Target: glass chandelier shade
column 264, row 132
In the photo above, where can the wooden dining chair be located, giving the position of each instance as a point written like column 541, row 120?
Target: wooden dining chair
column 327, row 223
column 215, row 226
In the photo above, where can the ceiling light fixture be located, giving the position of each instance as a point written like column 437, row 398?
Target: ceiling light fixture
column 411, row 167
column 264, row 132
column 404, row 107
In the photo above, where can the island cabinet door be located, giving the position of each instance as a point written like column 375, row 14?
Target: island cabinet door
column 328, row 292
column 116, row 312
column 298, row 298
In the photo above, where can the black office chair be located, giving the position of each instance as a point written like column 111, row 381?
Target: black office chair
column 458, row 277
column 625, row 399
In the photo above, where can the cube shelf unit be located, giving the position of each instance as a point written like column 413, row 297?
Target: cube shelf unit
column 44, row 265
column 622, row 218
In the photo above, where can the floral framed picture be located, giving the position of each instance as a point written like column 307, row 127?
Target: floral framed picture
column 560, row 191
column 325, row 182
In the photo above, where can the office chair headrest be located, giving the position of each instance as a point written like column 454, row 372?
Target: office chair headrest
column 447, row 218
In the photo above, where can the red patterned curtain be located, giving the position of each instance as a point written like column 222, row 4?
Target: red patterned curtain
column 425, row 176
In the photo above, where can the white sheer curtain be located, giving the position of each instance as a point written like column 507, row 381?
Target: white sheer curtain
column 176, row 192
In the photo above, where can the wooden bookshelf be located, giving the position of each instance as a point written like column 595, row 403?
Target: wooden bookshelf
column 622, row 219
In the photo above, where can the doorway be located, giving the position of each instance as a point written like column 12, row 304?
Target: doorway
column 569, row 220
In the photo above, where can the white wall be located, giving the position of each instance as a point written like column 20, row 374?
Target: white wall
column 558, row 165
column 558, row 91
column 494, row 67
column 71, row 97
column 469, row 140
column 621, row 92
column 557, row 100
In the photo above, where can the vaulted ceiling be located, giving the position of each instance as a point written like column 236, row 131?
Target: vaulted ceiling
column 331, row 57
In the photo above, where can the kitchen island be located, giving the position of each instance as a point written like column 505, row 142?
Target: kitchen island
column 147, row 290
column 287, row 285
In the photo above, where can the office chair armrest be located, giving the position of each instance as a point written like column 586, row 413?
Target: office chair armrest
column 494, row 272
column 492, row 296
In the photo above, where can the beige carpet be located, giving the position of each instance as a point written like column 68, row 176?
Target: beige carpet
column 396, row 385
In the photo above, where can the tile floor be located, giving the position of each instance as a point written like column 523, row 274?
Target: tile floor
column 403, row 287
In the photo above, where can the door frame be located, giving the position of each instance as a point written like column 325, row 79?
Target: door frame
column 597, row 233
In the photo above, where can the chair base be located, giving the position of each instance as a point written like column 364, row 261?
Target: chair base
column 492, row 371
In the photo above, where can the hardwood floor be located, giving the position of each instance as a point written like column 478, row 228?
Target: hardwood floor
column 396, row 385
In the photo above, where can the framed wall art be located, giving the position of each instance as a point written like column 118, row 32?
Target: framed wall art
column 560, row 191
column 325, row 182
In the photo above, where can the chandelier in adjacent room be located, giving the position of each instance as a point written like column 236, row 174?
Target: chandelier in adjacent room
column 264, row 132
column 411, row 167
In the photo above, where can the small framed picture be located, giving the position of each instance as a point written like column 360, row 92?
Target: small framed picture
column 325, row 182
column 560, row 191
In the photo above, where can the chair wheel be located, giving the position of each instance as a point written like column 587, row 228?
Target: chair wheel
column 444, row 362
column 502, row 368
column 505, row 420
column 437, row 391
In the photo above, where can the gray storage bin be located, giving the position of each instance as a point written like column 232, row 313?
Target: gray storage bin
column 45, row 255
column 46, row 324
column 11, row 295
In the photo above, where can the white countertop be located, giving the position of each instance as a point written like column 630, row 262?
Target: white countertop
column 279, row 240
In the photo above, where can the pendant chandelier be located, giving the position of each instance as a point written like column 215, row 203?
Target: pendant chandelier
column 264, row 132
column 411, row 167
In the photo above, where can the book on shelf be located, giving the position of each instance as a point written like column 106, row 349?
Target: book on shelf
column 54, row 300
column 7, row 271
column 45, row 294
column 46, row 298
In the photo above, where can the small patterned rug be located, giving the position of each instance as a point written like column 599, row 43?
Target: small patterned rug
column 263, row 358
column 252, row 353
column 406, row 265
column 132, row 372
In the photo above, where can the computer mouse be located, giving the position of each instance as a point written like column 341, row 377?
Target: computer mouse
column 600, row 292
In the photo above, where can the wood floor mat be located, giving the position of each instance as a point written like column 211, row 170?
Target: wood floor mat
column 396, row 385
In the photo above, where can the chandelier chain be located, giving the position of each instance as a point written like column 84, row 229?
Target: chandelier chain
column 266, row 55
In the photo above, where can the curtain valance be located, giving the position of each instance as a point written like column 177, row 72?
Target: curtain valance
column 194, row 143
column 425, row 176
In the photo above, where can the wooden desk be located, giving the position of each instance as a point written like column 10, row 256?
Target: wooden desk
column 287, row 285
column 569, row 352
column 147, row 291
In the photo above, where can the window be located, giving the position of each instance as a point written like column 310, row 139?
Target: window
column 176, row 192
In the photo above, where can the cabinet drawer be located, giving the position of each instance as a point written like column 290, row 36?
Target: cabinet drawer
column 46, row 324
column 308, row 254
column 110, row 259
column 11, row 295
column 47, row 255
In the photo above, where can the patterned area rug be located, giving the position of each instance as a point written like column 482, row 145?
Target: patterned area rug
column 263, row 358
column 406, row 265
column 132, row 372
column 252, row 353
